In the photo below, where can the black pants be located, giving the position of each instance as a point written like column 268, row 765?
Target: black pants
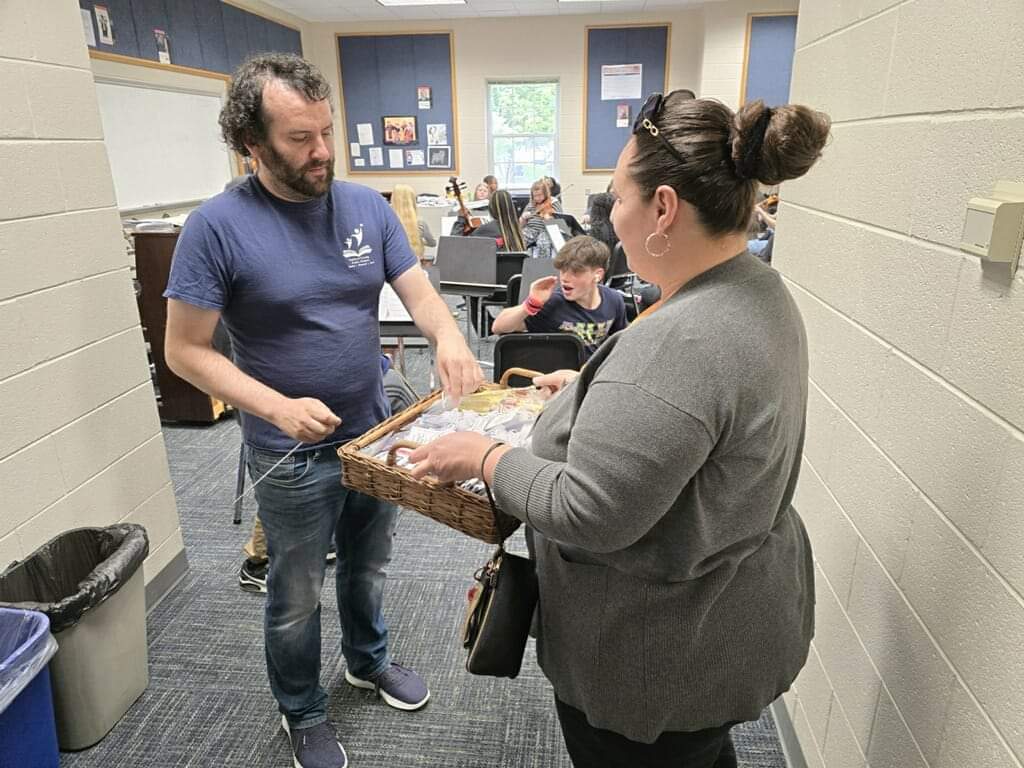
column 591, row 747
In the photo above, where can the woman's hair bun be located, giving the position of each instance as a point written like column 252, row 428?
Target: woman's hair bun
column 777, row 144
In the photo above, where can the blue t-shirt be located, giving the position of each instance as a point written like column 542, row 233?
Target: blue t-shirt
column 593, row 326
column 298, row 286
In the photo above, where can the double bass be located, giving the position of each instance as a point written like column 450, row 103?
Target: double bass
column 454, row 189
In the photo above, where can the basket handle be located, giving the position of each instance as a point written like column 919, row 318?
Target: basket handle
column 524, row 372
column 398, row 444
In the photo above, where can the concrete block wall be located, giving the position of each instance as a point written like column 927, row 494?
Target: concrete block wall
column 913, row 479
column 80, row 440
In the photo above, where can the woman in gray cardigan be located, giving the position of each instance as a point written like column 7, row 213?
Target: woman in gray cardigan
column 677, row 594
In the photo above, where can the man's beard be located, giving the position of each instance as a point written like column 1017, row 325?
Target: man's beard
column 295, row 178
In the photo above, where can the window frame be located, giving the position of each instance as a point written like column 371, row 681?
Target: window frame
column 489, row 125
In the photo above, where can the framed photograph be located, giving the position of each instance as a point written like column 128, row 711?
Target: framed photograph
column 413, row 157
column 439, row 157
column 399, row 131
column 424, row 96
column 103, row 24
column 163, row 50
column 437, row 134
column 622, row 116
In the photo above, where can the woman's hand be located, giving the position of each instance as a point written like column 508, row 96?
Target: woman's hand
column 541, row 289
column 554, row 382
column 451, row 458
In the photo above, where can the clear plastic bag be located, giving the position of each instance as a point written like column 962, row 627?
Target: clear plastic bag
column 26, row 647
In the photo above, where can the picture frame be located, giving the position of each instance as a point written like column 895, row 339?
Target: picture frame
column 163, row 49
column 399, row 130
column 424, row 97
column 439, row 157
column 103, row 24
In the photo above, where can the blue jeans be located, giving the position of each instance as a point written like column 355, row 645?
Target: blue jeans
column 302, row 504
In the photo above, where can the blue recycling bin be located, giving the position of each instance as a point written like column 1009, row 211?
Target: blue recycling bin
column 28, row 733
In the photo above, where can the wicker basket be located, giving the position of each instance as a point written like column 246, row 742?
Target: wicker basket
column 464, row 511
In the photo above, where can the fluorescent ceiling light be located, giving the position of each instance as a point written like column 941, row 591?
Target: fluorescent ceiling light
column 390, row 3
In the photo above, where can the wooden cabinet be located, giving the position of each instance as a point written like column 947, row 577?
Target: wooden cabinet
column 178, row 400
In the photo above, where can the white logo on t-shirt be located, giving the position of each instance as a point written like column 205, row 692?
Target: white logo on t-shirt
column 356, row 254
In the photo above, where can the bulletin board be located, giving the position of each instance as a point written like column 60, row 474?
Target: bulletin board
column 613, row 92
column 399, row 77
column 208, row 36
column 768, row 58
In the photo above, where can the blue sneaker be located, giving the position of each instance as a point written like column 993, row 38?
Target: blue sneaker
column 316, row 747
column 400, row 687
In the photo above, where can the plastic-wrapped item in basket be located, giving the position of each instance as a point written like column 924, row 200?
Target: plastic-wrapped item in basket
column 507, row 415
column 376, row 463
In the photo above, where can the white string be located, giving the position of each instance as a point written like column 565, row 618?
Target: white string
column 276, row 465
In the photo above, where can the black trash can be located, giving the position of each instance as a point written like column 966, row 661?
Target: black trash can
column 89, row 583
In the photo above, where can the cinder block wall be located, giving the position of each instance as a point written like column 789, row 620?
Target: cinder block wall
column 80, row 441
column 913, row 481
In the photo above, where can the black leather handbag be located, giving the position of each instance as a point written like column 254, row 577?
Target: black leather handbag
column 499, row 613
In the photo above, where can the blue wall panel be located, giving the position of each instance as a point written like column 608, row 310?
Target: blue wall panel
column 256, row 33
column 379, row 75
column 149, row 15
column 623, row 45
column 183, row 29
column 770, row 59
column 234, row 34
column 210, row 19
column 122, row 23
column 203, row 34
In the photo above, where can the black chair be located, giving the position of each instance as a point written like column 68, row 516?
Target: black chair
column 512, row 291
column 509, row 265
column 618, row 275
column 542, row 352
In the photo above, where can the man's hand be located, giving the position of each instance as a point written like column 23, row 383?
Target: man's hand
column 306, row 419
column 541, row 289
column 451, row 458
column 459, row 371
column 554, row 382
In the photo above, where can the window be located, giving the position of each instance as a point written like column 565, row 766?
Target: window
column 523, row 120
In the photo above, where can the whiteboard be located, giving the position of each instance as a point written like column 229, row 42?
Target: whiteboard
column 164, row 146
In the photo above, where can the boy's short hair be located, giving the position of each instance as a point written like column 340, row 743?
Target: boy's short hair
column 582, row 252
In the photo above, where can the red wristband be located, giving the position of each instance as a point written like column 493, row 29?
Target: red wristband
column 532, row 306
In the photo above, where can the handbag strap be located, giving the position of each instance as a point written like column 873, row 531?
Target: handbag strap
column 490, row 495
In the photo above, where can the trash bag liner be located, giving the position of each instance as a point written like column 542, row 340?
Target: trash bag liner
column 74, row 572
column 26, row 647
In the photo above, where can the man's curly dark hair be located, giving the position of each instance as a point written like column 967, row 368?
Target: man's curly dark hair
column 242, row 120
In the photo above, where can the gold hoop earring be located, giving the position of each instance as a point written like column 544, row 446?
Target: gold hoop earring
column 647, row 245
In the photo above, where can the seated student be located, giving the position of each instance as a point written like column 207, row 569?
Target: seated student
column 574, row 302
column 541, row 203
column 601, row 220
column 491, row 182
column 482, row 192
column 403, row 200
column 503, row 226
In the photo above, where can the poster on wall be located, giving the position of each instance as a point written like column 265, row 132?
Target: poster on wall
column 399, row 131
column 365, row 132
column 439, row 157
column 355, row 149
column 622, row 116
column 437, row 134
column 103, row 24
column 621, row 81
column 395, row 158
column 414, row 157
column 424, row 96
column 376, row 156
column 163, row 48
column 359, row 162
column 90, row 34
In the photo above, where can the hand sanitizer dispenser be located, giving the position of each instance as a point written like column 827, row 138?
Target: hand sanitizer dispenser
column 994, row 227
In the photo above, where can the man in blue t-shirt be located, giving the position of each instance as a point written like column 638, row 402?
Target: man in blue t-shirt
column 294, row 263
column 574, row 302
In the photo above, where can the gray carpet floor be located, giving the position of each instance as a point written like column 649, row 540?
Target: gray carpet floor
column 208, row 701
